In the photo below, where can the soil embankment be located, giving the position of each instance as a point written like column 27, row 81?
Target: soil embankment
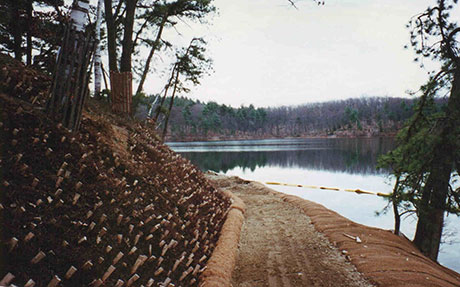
column 108, row 205
column 288, row 241
column 280, row 247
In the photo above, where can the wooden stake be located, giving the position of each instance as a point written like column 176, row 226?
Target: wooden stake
column 7, row 279
column 75, row 198
column 132, row 280
column 89, row 214
column 160, row 260
column 103, row 231
column 30, row 283
column 134, row 249
column 119, row 218
column 202, row 258
column 176, row 264
column 58, row 192
column 70, row 272
column 166, row 282
column 117, row 258
column 13, row 243
column 103, row 217
column 159, row 271
column 119, row 238
column 139, row 262
column 40, row 255
column 83, row 239
column 88, row 264
column 136, row 239
column 108, row 249
column 59, row 181
column 108, row 272
column 196, row 269
column 35, row 182
column 54, row 282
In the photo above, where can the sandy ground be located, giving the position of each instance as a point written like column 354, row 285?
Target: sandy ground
column 289, row 241
column 280, row 247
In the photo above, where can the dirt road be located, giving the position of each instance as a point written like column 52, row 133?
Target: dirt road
column 280, row 247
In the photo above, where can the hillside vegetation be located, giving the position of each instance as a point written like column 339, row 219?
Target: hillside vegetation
column 195, row 120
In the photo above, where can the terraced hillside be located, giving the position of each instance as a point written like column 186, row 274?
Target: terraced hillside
column 107, row 206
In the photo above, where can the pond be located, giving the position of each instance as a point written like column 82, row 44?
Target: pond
column 332, row 162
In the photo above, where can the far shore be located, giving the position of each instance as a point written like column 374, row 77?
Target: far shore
column 243, row 138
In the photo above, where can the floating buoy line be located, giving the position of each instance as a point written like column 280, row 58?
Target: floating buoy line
column 358, row 191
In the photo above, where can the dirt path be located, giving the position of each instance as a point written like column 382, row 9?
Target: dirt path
column 285, row 241
column 280, row 247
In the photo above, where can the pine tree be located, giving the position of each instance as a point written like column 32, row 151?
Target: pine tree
column 428, row 153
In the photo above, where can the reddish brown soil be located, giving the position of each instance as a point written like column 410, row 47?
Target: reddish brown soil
column 280, row 247
column 82, row 198
column 288, row 241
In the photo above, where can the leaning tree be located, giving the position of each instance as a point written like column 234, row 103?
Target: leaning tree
column 191, row 63
column 428, row 153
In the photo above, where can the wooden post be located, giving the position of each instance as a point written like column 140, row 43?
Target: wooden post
column 70, row 82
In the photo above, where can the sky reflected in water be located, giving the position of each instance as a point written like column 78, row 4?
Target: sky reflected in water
column 340, row 163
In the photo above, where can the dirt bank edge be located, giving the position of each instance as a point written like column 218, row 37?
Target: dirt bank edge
column 219, row 268
column 383, row 258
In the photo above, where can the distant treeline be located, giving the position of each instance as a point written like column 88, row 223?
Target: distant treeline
column 194, row 120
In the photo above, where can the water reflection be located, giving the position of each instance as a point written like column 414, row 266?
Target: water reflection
column 354, row 156
column 342, row 163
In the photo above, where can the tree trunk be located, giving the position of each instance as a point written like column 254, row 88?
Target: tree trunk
column 165, row 127
column 395, row 202
column 29, row 33
column 152, row 51
column 97, row 54
column 111, row 36
column 157, row 114
column 431, row 212
column 122, row 93
column 435, row 193
column 127, row 43
column 16, row 30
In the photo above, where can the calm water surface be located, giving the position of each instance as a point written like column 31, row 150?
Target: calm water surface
column 341, row 163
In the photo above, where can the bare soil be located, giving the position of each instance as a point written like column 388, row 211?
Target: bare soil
column 106, row 205
column 280, row 247
column 289, row 241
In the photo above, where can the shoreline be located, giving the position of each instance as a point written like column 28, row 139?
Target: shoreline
column 210, row 140
column 382, row 257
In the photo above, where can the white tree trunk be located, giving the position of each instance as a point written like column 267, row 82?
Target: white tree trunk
column 97, row 54
column 79, row 14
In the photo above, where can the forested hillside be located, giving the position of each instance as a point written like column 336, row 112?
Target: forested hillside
column 192, row 120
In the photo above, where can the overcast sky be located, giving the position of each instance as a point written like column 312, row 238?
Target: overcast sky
column 267, row 53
